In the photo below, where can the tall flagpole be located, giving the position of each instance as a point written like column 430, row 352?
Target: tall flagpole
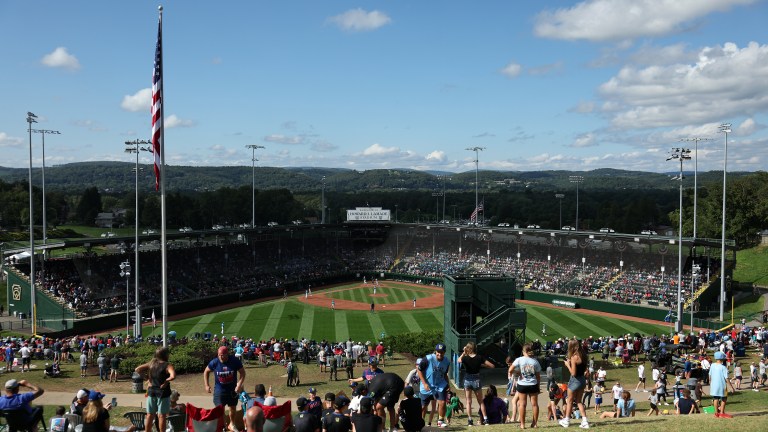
column 158, row 147
column 162, row 204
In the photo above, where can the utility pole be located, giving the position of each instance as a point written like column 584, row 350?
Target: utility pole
column 477, row 165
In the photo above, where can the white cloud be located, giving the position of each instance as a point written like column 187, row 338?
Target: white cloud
column 378, row 150
column 60, row 58
column 9, row 141
column 357, row 20
column 512, row 70
column 663, row 55
column 725, row 82
column 584, row 140
column 284, row 139
column 748, row 127
column 173, row 121
column 139, row 101
column 437, row 155
column 602, row 20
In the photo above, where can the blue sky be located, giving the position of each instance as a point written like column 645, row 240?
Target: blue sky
column 575, row 85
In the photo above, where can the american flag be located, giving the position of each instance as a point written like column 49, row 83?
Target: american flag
column 157, row 102
column 477, row 211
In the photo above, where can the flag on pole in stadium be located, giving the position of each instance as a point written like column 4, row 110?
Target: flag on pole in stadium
column 668, row 318
column 477, row 211
column 157, row 103
column 154, row 320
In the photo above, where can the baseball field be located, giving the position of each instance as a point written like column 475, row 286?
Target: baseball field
column 345, row 312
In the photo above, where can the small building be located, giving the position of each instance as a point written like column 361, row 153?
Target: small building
column 105, row 220
column 764, row 238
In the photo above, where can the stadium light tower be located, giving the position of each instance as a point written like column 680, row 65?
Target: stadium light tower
column 31, row 119
column 135, row 146
column 560, row 197
column 43, row 132
column 725, row 128
column 695, row 141
column 578, row 180
column 477, row 166
column 680, row 154
column 322, row 204
column 125, row 271
column 253, row 148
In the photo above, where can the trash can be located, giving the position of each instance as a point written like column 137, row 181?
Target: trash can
column 138, row 383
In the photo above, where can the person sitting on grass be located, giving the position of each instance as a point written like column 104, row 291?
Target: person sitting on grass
column 59, row 423
column 495, row 408
column 625, row 407
column 686, row 405
column 409, row 412
column 96, row 416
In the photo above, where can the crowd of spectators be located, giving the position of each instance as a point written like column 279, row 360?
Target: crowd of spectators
column 91, row 284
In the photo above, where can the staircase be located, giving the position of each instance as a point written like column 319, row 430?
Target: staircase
column 403, row 250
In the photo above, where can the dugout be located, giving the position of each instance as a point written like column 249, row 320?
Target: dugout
column 481, row 308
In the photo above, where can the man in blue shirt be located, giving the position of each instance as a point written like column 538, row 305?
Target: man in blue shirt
column 433, row 372
column 13, row 400
column 718, row 377
column 229, row 375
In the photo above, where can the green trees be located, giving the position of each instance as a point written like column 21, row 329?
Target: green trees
column 89, row 206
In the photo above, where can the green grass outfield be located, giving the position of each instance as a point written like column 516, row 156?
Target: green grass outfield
column 292, row 318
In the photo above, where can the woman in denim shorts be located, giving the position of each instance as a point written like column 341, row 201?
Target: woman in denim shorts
column 472, row 362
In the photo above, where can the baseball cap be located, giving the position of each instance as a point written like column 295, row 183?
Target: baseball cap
column 94, row 395
column 418, row 361
column 719, row 355
column 330, row 397
column 440, row 347
column 373, row 361
column 82, row 393
column 366, row 402
column 223, row 350
column 11, row 384
column 312, row 390
column 301, row 402
column 341, row 402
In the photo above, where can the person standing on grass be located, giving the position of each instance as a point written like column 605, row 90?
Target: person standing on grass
column 160, row 373
column 433, row 373
column 472, row 362
column 83, row 363
column 718, row 381
column 529, row 370
column 229, row 376
column 641, row 377
column 576, row 362
column 114, row 365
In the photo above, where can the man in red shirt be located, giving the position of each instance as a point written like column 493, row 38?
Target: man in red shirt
column 380, row 352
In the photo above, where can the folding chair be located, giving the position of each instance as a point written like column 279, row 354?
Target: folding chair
column 17, row 421
column 136, row 418
column 205, row 420
column 277, row 418
column 177, row 422
column 74, row 421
